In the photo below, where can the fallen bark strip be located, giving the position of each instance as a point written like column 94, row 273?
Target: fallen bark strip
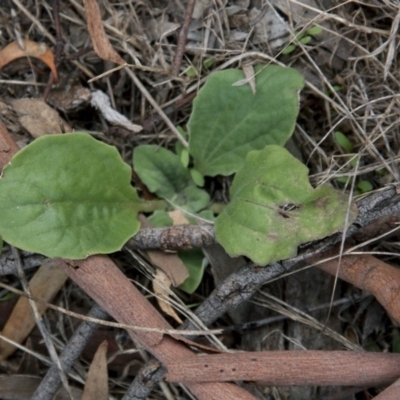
column 390, row 393
column 290, row 368
column 370, row 274
column 106, row 284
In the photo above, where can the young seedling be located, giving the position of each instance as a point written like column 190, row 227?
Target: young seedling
column 70, row 196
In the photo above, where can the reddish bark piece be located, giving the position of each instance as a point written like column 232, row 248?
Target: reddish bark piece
column 290, row 368
column 369, row 274
column 391, row 393
column 102, row 280
column 40, row 51
column 101, row 44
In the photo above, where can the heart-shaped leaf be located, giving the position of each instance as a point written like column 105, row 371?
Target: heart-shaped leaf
column 274, row 208
column 228, row 120
column 68, row 196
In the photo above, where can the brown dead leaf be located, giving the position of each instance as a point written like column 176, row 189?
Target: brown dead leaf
column 38, row 118
column 178, row 218
column 101, row 44
column 69, row 96
column 45, row 284
column 96, row 386
column 32, row 49
column 161, row 288
column 170, row 263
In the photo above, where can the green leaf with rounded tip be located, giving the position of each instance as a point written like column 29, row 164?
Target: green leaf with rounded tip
column 195, row 263
column 160, row 219
column 68, row 196
column 314, row 31
column 305, row 40
column 290, row 48
column 274, row 208
column 185, row 157
column 228, row 120
column 364, row 186
column 197, row 177
column 343, row 141
column 160, row 170
column 192, row 199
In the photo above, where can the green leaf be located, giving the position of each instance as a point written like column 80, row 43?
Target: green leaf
column 7, row 296
column 191, row 72
column 195, row 263
column 160, row 219
column 68, row 196
column 343, row 142
column 314, row 31
column 343, row 179
column 207, row 64
column 185, row 157
column 364, row 186
column 228, row 120
column 274, row 208
column 305, row 40
column 290, row 48
column 197, row 177
column 160, row 170
column 192, row 199
column 163, row 173
column 354, row 161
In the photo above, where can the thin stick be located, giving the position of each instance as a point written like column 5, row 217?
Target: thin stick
column 43, row 330
column 50, row 383
column 180, row 48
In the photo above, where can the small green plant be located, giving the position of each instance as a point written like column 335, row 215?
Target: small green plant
column 70, row 196
column 302, row 37
column 362, row 186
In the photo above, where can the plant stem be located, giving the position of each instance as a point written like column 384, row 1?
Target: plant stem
column 149, row 206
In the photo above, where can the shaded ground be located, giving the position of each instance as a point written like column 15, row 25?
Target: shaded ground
column 352, row 85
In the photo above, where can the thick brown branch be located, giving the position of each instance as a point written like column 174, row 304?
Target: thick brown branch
column 290, row 368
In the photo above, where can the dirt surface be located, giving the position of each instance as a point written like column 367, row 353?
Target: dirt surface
column 61, row 58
